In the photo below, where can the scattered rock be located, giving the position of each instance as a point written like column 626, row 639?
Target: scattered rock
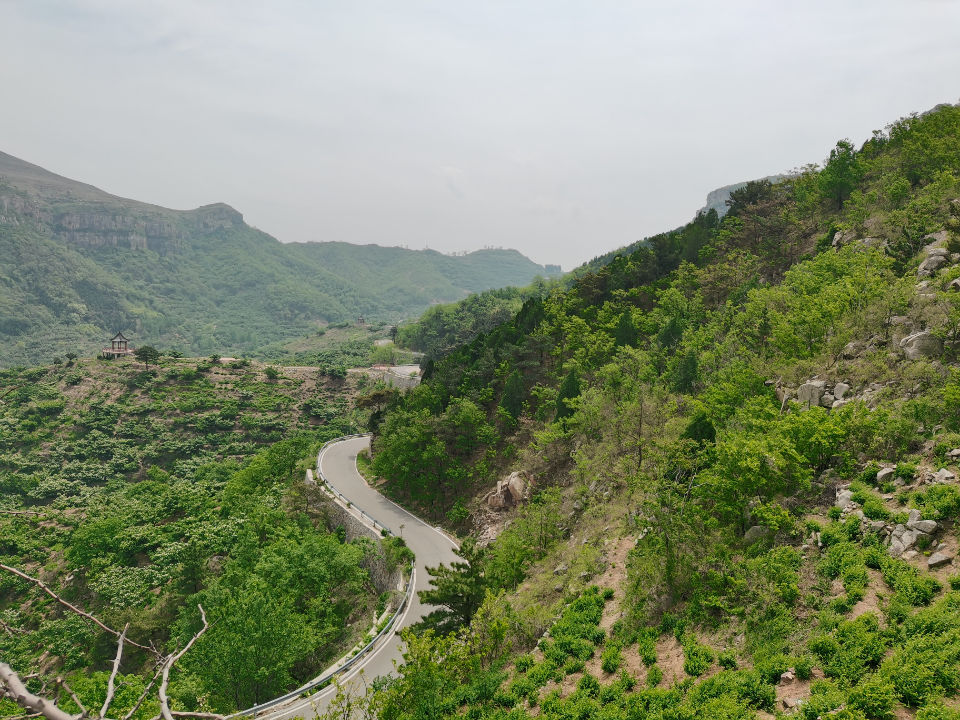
column 933, row 263
column 943, row 475
column 844, row 498
column 810, row 392
column 925, row 526
column 853, row 349
column 921, row 345
column 913, row 516
column 939, row 559
column 827, row 400
column 757, row 532
column 909, row 555
column 954, row 285
column 510, row 491
column 840, row 389
column 885, row 474
column 791, row 703
column 787, row 677
column 954, row 453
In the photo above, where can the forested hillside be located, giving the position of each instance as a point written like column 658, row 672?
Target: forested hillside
column 742, row 439
column 78, row 264
column 141, row 493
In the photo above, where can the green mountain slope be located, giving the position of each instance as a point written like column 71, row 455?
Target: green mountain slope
column 745, row 432
column 76, row 264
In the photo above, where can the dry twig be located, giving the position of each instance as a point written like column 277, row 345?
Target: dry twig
column 111, row 683
column 168, row 665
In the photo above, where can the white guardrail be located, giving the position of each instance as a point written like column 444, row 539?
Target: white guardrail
column 325, row 679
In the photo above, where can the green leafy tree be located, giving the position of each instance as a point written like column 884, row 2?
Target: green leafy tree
column 841, row 173
column 458, row 589
column 254, row 640
column 147, row 354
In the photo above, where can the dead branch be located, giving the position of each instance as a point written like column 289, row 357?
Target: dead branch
column 168, row 665
column 73, row 696
column 43, row 586
column 18, row 692
column 143, row 695
column 111, row 686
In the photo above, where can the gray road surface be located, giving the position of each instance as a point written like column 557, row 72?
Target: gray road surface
column 339, row 464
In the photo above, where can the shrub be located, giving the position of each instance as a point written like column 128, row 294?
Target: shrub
column 697, row 657
column 647, row 647
column 654, row 675
column 524, row 663
column 803, row 667
column 611, row 658
column 727, row 659
column 875, row 697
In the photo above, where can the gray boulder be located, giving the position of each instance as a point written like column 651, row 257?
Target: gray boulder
column 943, row 475
column 885, row 474
column 933, row 263
column 810, row 392
column 923, row 344
column 844, row 498
column 757, row 532
column 840, row 389
column 939, row 559
column 924, row 526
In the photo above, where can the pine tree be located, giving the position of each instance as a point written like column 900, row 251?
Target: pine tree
column 569, row 389
column 512, row 399
column 458, row 589
column 626, row 332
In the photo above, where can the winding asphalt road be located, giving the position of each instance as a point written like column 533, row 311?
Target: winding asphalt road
column 338, row 463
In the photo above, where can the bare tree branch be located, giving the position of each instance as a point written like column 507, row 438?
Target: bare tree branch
column 43, row 586
column 73, row 696
column 143, row 696
column 111, row 686
column 18, row 692
column 168, row 665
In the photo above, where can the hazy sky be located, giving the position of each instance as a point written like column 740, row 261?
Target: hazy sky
column 563, row 129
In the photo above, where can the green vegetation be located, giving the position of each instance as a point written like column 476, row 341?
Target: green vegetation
column 656, row 404
column 139, row 494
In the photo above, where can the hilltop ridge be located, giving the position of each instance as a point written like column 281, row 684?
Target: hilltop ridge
column 78, row 263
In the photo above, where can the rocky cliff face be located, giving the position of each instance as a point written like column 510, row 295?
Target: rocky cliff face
column 717, row 199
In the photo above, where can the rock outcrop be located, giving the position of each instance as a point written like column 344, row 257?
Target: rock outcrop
column 921, row 345
column 510, row 491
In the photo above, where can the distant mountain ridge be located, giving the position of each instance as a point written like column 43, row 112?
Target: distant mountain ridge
column 77, row 263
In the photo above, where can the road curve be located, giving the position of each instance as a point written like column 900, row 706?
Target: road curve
column 338, row 463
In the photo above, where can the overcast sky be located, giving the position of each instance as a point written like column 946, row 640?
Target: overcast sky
column 563, row 129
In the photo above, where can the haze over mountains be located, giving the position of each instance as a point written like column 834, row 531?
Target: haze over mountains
column 77, row 264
